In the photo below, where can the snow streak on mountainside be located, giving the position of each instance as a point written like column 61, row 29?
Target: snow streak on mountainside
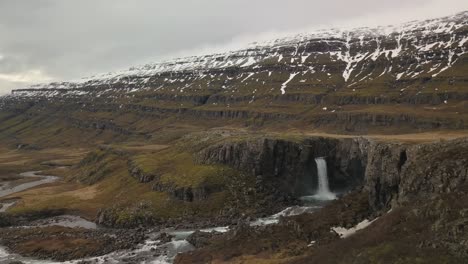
column 422, row 48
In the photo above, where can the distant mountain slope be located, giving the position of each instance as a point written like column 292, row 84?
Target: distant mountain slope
column 437, row 43
column 413, row 75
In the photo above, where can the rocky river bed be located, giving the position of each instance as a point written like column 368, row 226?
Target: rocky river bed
column 158, row 246
column 82, row 240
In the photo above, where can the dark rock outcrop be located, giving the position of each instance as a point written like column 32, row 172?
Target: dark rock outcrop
column 434, row 169
column 200, row 239
column 138, row 173
column 290, row 165
column 398, row 174
column 390, row 172
column 383, row 173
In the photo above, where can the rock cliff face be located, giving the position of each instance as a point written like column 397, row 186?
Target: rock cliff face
column 291, row 164
column 263, row 173
column 399, row 174
column 392, row 173
column 434, row 169
column 425, row 185
column 383, row 173
column 187, row 194
column 346, row 80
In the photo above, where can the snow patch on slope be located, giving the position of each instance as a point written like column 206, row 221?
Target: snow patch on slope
column 283, row 86
column 344, row 232
column 251, row 58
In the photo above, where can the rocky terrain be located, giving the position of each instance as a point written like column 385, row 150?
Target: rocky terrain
column 418, row 211
column 231, row 140
column 60, row 243
column 376, row 180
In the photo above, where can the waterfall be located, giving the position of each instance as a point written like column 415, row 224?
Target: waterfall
column 323, row 192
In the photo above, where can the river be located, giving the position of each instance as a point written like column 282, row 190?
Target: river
column 8, row 189
column 151, row 251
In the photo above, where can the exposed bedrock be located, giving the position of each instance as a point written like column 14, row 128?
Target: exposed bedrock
column 392, row 173
column 290, row 165
column 398, row 174
column 187, row 194
column 102, row 114
column 420, row 99
column 383, row 172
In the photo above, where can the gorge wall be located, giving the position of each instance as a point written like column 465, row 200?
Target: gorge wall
column 291, row 164
column 392, row 173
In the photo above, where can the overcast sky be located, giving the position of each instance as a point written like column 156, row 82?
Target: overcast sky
column 48, row 40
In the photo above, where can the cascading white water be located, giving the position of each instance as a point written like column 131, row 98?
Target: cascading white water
column 323, row 192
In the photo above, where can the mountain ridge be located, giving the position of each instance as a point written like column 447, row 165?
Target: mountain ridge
column 441, row 25
column 414, row 77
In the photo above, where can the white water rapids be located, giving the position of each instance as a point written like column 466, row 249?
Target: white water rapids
column 145, row 252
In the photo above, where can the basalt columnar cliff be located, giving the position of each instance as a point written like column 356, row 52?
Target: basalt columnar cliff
column 411, row 76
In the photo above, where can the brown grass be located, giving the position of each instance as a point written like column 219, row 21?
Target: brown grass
column 423, row 137
column 77, row 245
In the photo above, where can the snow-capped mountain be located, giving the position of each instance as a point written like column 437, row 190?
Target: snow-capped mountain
column 350, row 75
column 424, row 47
